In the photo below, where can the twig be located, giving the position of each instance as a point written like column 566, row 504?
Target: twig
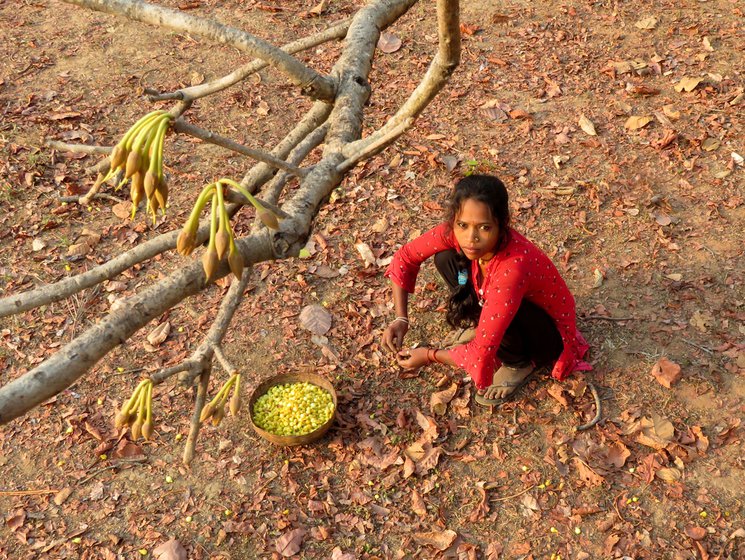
column 606, row 318
column 191, row 440
column 114, row 465
column 77, row 198
column 226, row 365
column 79, row 148
column 207, row 136
column 704, row 348
column 188, row 365
column 505, row 498
column 598, row 410
column 615, row 506
column 26, row 492
column 338, row 31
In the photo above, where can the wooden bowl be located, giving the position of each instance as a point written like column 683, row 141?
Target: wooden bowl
column 304, row 439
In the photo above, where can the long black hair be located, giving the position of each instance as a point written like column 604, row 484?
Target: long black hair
column 463, row 307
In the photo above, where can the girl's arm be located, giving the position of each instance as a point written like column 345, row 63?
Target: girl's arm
column 393, row 337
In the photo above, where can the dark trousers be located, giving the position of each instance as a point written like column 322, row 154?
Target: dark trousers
column 532, row 335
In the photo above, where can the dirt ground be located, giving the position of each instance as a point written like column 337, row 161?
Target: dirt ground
column 645, row 220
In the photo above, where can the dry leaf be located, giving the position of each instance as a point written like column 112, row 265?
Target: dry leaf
column 703, row 321
column 710, row 144
column 666, row 372
column 122, row 210
column 389, row 43
column 438, row 403
column 662, row 219
column 170, row 550
column 61, row 496
column 688, row 84
column 588, row 476
column 557, row 392
column 586, row 125
column 366, row 253
column 37, row 245
column 695, row 532
column 417, row 504
column 646, row 23
column 338, row 554
column 656, row 432
column 440, row 540
column 598, row 278
column 317, row 10
column 671, row 112
column 16, row 521
column 159, row 334
column 289, row 544
column 669, row 474
column 636, row 122
column 316, row 319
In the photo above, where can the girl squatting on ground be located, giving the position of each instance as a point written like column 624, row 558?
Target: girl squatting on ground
column 522, row 310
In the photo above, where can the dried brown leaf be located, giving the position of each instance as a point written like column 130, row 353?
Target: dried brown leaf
column 315, row 319
column 646, row 23
column 669, row 474
column 170, row 550
column 289, row 544
column 438, row 402
column 159, row 334
column 637, row 122
column 418, row 505
column 688, row 84
column 389, row 43
column 587, row 125
column 440, row 540
column 666, row 372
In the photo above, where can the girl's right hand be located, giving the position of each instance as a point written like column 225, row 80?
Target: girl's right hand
column 393, row 336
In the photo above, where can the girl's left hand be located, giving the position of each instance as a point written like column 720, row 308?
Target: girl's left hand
column 412, row 358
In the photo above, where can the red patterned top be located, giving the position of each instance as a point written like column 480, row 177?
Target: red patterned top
column 520, row 270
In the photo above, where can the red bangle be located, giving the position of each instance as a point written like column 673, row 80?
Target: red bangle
column 434, row 355
column 430, row 357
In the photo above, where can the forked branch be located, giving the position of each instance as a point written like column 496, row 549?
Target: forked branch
column 310, row 81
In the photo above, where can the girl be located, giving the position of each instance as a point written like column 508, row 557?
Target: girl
column 502, row 283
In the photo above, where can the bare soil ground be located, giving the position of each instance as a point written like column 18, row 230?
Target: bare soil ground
column 646, row 224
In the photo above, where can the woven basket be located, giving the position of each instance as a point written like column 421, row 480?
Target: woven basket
column 304, row 439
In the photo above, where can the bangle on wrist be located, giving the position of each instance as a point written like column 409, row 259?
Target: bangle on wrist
column 402, row 319
column 432, row 356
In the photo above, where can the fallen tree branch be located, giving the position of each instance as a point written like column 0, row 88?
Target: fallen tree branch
column 598, row 410
column 311, row 82
column 337, row 31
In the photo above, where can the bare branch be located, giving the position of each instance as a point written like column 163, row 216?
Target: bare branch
column 190, row 366
column 337, row 31
column 311, row 82
column 224, row 362
column 368, row 150
column 438, row 73
column 219, row 327
column 207, row 136
column 63, row 368
column 274, row 189
column 78, row 148
column 262, row 172
column 191, row 440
